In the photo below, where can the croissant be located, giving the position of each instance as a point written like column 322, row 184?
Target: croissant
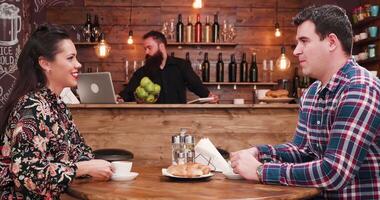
column 277, row 93
column 189, row 170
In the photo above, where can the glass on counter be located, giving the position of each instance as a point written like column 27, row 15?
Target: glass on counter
column 371, row 51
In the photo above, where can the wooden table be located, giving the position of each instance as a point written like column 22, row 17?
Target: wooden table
column 151, row 184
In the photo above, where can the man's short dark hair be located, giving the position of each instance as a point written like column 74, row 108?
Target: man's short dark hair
column 157, row 36
column 328, row 19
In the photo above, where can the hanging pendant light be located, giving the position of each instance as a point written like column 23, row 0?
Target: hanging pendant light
column 130, row 34
column 283, row 63
column 277, row 32
column 197, row 4
column 102, row 49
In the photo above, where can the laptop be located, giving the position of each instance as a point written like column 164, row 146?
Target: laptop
column 96, row 88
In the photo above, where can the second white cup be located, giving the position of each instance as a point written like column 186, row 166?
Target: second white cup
column 121, row 167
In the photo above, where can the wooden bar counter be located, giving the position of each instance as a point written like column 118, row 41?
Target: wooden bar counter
column 146, row 130
column 150, row 184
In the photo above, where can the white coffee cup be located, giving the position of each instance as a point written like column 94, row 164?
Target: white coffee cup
column 363, row 55
column 121, row 167
column 261, row 93
column 374, row 73
column 239, row 101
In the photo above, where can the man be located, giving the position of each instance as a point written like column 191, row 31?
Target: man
column 174, row 75
column 336, row 146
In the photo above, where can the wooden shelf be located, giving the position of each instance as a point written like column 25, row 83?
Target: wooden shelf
column 203, row 44
column 366, row 41
column 85, row 43
column 369, row 61
column 241, row 83
column 365, row 22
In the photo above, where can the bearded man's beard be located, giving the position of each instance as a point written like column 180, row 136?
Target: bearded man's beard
column 155, row 60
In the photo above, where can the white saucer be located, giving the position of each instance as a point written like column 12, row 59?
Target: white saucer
column 124, row 177
column 231, row 175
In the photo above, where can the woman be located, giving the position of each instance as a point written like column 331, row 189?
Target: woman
column 41, row 149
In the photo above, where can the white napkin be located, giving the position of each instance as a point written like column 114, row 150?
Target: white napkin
column 68, row 96
column 207, row 154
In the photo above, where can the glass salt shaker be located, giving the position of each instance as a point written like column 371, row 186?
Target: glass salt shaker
column 189, row 147
column 176, row 148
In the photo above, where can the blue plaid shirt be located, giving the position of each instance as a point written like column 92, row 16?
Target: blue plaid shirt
column 336, row 146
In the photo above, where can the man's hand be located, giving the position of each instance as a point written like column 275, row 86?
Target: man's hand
column 245, row 163
column 119, row 99
column 216, row 98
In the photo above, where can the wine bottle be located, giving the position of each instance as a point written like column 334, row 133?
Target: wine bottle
column 179, row 27
column 220, row 69
column 244, row 69
column 232, row 69
column 198, row 29
column 253, row 69
column 208, row 31
column 95, row 30
column 296, row 83
column 187, row 58
column 215, row 29
column 206, row 69
column 87, row 28
column 189, row 31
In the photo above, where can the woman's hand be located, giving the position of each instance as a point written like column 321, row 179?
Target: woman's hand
column 96, row 168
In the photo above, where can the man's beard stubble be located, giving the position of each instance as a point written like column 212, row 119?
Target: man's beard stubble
column 155, row 60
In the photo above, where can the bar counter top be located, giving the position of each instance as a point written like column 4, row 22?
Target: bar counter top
column 186, row 106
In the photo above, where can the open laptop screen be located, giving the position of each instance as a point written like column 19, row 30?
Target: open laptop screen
column 96, row 88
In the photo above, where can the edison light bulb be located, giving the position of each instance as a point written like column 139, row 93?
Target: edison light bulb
column 130, row 37
column 277, row 31
column 197, row 4
column 102, row 50
column 283, row 63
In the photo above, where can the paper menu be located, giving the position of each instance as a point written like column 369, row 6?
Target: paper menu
column 207, row 154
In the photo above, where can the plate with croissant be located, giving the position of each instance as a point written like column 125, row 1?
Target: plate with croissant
column 276, row 96
column 188, row 171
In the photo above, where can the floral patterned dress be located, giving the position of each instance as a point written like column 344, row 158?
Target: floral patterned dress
column 39, row 148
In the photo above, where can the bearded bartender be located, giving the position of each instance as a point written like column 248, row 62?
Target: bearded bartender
column 173, row 74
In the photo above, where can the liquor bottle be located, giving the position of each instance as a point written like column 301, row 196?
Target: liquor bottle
column 206, row 69
column 244, row 69
column 215, row 29
column 87, row 27
column 220, row 69
column 189, row 31
column 198, row 29
column 180, row 33
column 208, row 31
column 187, row 58
column 232, row 69
column 253, row 69
column 95, row 31
column 296, row 83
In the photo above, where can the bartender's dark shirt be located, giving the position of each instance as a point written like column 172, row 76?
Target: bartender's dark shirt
column 176, row 76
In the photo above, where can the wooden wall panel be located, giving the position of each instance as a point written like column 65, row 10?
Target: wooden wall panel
column 147, row 132
column 254, row 22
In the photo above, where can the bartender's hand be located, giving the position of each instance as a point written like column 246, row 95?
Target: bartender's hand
column 119, row 99
column 244, row 163
column 96, row 168
column 216, row 98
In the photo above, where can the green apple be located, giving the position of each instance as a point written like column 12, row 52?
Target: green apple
column 149, row 88
column 157, row 89
column 141, row 93
column 150, row 99
column 145, row 81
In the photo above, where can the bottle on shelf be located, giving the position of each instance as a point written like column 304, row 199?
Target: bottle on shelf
column 296, row 84
column 215, row 29
column 179, row 30
column 232, row 69
column 198, row 30
column 220, row 69
column 189, row 31
column 271, row 71
column 253, row 72
column 95, row 31
column 87, row 28
column 265, row 71
column 208, row 31
column 244, row 69
column 206, row 69
column 187, row 58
